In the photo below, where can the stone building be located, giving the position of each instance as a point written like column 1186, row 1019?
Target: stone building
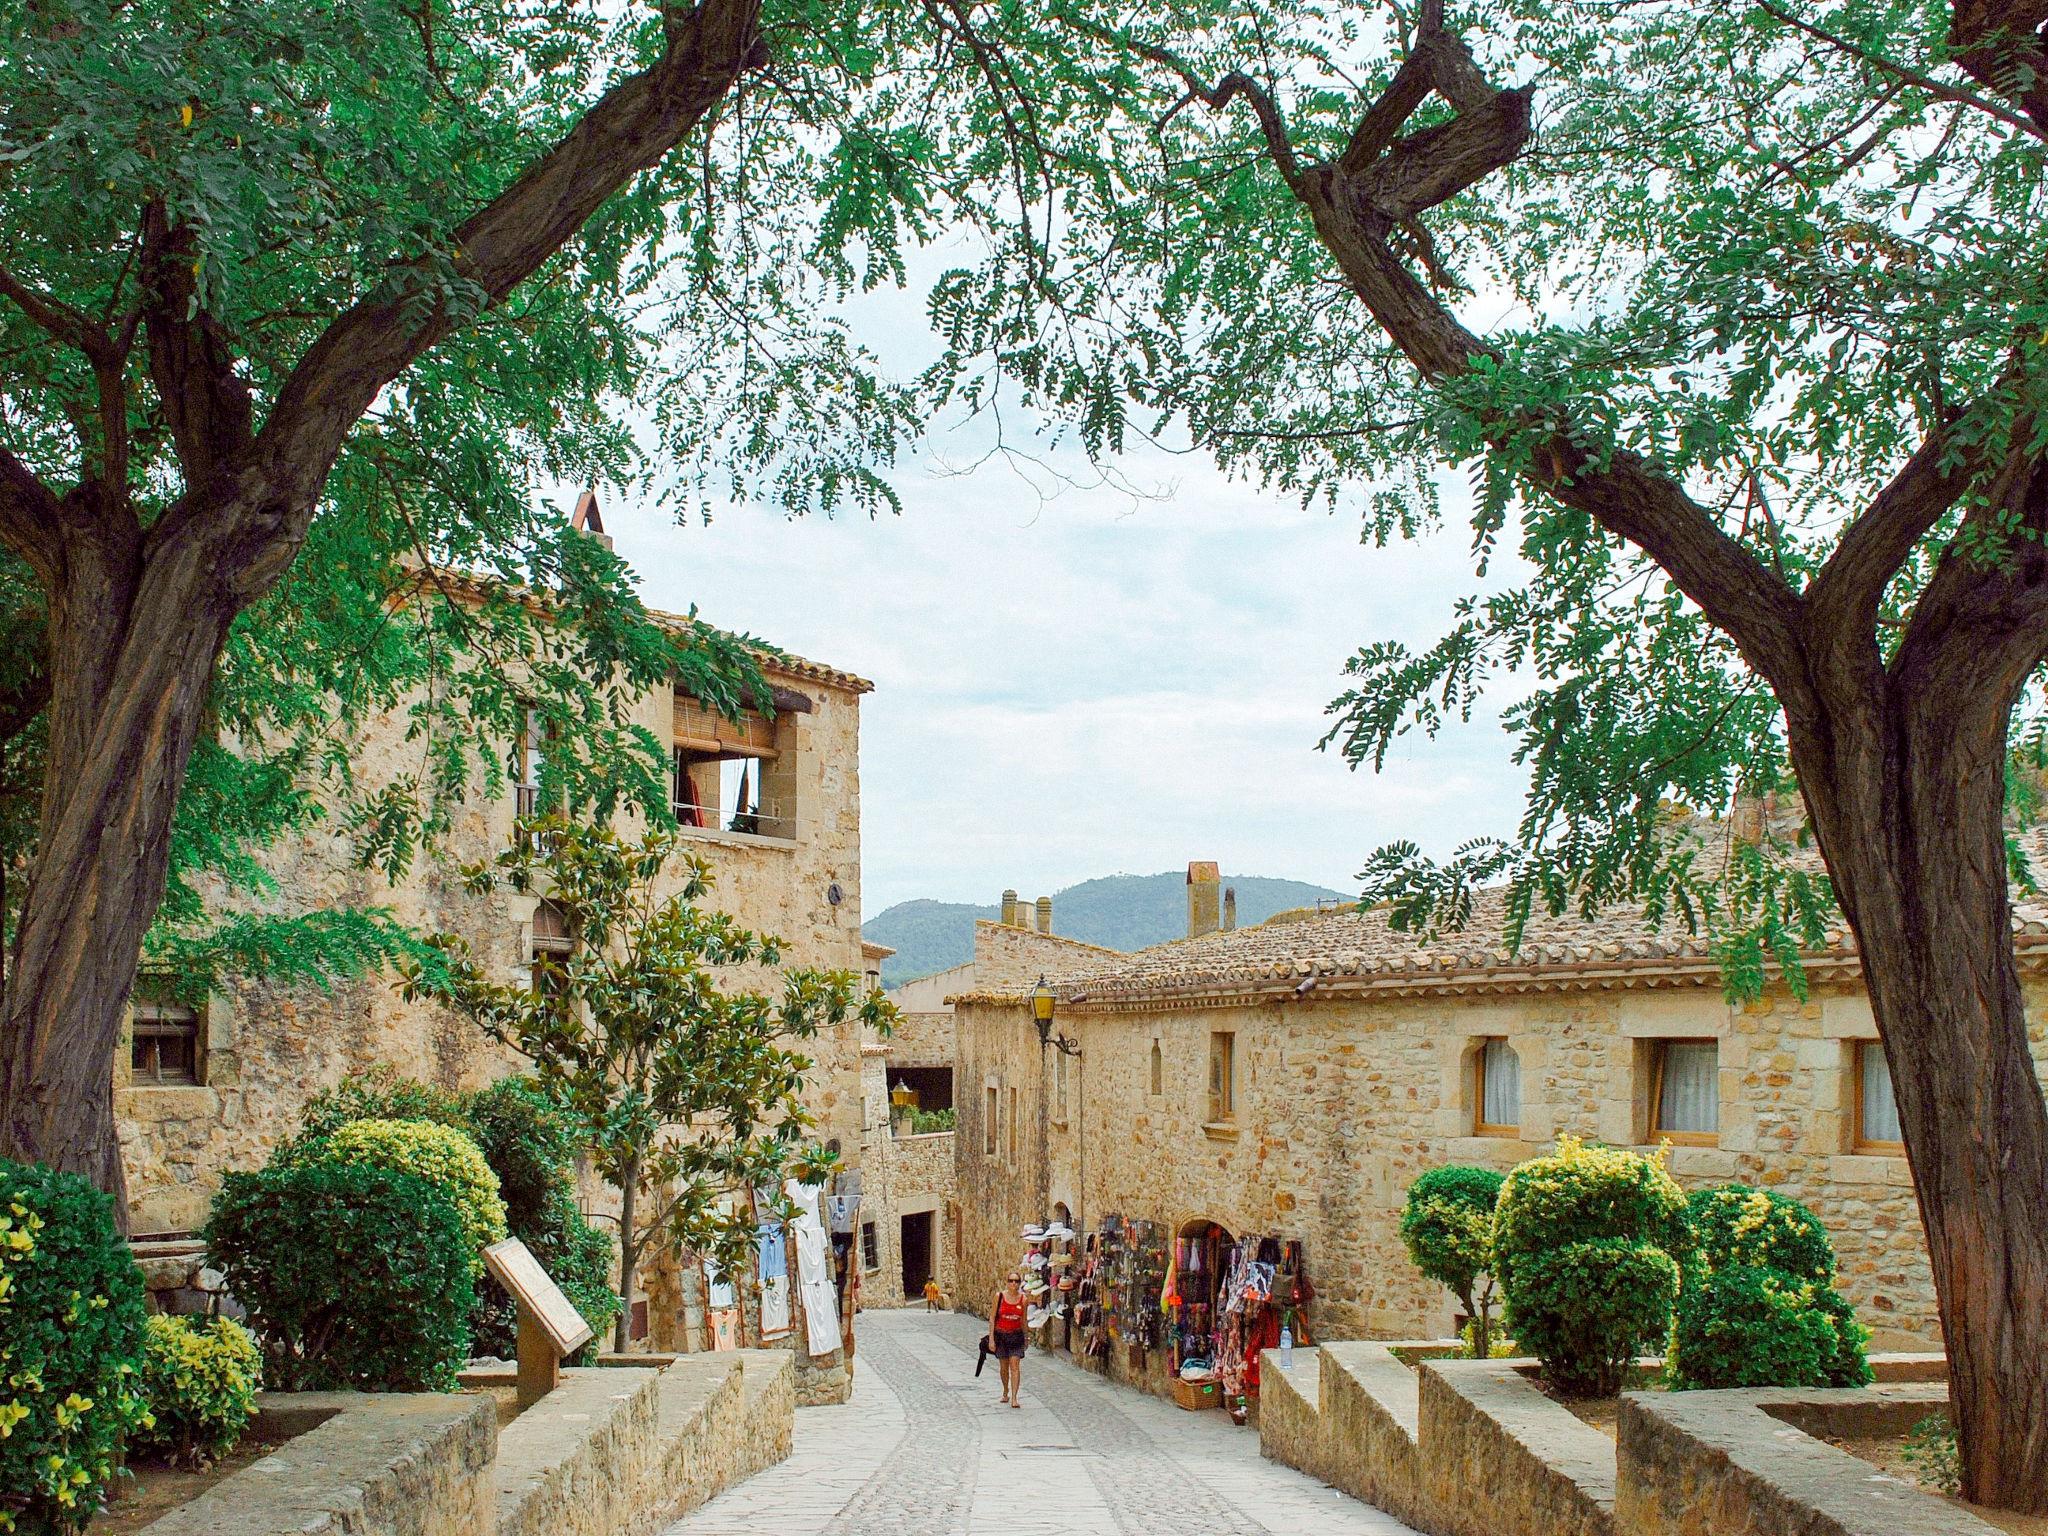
column 911, row 1225
column 772, row 803
column 1292, row 1079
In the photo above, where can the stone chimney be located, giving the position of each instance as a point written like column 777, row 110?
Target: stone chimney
column 1204, row 889
column 1045, row 914
column 1229, row 908
column 588, row 519
column 1009, row 909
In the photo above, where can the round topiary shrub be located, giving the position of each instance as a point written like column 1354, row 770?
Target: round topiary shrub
column 1586, row 1247
column 379, row 1093
column 1447, row 1227
column 200, row 1379
column 1751, row 1326
column 1734, row 1224
column 1760, row 1308
column 440, row 1154
column 71, row 1321
column 352, row 1275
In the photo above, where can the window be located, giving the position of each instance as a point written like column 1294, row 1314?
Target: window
column 988, row 1123
column 1685, row 1095
column 731, row 775
column 870, row 1251
column 1013, row 1127
column 1158, row 1069
column 552, row 946
column 164, row 1048
column 1497, row 1090
column 1059, row 1087
column 1877, row 1111
column 535, row 732
column 1222, row 1076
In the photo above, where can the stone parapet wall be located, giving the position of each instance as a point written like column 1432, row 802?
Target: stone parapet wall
column 581, row 1460
column 1495, row 1455
column 386, row 1464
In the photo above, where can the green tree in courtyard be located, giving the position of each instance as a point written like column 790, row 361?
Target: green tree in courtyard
column 297, row 304
column 692, row 1089
column 1736, row 314
column 1447, row 1228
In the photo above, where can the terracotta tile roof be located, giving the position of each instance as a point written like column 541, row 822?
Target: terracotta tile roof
column 1351, row 951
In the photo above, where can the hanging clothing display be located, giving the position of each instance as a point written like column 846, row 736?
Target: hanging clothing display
column 821, row 1303
column 773, row 1260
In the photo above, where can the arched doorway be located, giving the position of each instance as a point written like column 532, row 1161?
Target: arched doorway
column 1200, row 1252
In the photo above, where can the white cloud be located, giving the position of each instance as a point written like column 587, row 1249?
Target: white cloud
column 1091, row 684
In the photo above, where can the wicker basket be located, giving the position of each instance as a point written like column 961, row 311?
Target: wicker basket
column 1196, row 1394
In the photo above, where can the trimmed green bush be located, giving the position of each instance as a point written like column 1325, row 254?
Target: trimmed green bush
column 353, row 1275
column 379, row 1093
column 529, row 1143
column 71, row 1321
column 1447, row 1226
column 1750, row 1325
column 200, row 1379
column 1760, row 1308
column 1734, row 1224
column 1586, row 1246
column 440, row 1154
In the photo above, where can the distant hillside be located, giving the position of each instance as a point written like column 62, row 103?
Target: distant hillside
column 1117, row 911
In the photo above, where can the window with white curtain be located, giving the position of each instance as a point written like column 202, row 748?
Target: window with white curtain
column 1688, row 1097
column 1498, row 1089
column 1877, row 1111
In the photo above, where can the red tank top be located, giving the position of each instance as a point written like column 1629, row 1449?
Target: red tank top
column 1009, row 1314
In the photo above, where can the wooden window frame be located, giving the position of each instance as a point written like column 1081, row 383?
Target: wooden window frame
column 870, row 1248
column 1223, row 1099
column 147, row 1023
column 1660, row 1053
column 546, row 953
column 1481, row 1126
column 1860, row 1142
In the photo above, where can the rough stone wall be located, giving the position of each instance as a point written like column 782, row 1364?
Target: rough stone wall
column 902, row 1175
column 1342, row 1102
column 268, row 1049
column 1006, row 956
column 922, row 1040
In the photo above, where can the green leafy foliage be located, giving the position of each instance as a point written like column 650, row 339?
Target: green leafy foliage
column 691, row 1088
column 926, row 1122
column 1930, row 1450
column 529, row 1142
column 1760, row 1308
column 1587, row 1246
column 1735, row 1224
column 1750, row 1325
column 439, row 1154
column 354, row 1276
column 71, row 1331
column 1447, row 1227
column 199, row 1377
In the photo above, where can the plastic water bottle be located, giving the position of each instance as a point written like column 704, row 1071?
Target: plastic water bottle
column 1286, row 1348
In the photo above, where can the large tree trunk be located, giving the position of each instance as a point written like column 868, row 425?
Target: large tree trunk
column 133, row 637
column 1907, row 794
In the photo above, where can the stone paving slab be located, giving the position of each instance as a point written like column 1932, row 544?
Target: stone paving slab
column 924, row 1449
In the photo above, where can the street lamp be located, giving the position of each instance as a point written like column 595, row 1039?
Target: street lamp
column 1042, row 1002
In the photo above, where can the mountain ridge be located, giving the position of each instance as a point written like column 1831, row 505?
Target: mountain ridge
column 1123, row 912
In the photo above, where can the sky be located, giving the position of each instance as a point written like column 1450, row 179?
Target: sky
column 1093, row 683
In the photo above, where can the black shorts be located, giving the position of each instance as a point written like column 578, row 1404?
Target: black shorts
column 1009, row 1343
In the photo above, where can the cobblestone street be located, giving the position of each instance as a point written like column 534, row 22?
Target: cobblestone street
column 923, row 1449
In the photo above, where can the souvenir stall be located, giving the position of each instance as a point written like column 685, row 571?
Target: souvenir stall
column 1261, row 1303
column 1047, row 1267
column 1189, row 1298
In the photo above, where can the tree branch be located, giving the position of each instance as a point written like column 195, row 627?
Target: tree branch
column 628, row 131
column 107, row 357
column 206, row 406
column 2001, row 44
column 1843, row 598
column 1980, row 627
column 29, row 514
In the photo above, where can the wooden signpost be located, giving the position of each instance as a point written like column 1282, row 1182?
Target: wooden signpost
column 550, row 1327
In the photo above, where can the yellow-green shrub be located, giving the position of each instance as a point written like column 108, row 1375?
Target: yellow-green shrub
column 200, row 1380
column 71, row 1322
column 441, row 1155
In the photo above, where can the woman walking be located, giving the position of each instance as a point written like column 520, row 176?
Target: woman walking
column 1006, row 1336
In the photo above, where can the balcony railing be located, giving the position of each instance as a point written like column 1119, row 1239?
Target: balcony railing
column 708, row 818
